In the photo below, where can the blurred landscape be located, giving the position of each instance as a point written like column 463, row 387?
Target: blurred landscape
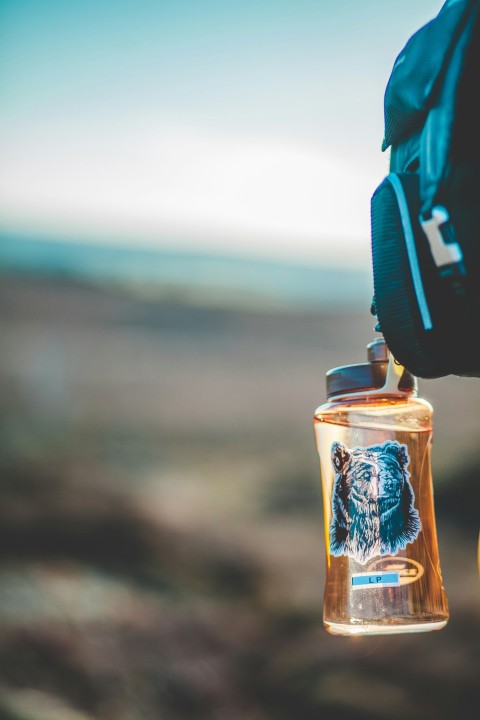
column 161, row 531
column 185, row 212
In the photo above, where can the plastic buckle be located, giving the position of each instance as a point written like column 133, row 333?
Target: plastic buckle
column 447, row 253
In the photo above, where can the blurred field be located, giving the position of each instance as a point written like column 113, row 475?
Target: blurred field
column 161, row 536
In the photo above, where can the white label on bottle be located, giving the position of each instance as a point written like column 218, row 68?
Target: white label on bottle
column 361, row 581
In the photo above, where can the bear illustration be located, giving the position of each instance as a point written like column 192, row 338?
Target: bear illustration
column 373, row 509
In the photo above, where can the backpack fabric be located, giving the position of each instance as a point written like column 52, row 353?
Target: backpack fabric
column 425, row 215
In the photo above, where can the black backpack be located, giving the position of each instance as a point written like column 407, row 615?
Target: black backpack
column 425, row 215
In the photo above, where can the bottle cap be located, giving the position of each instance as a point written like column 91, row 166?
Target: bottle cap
column 368, row 376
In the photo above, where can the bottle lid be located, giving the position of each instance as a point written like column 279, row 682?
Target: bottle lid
column 368, row 376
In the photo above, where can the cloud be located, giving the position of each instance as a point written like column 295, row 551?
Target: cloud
column 160, row 182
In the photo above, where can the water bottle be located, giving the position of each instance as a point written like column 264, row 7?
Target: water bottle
column 374, row 438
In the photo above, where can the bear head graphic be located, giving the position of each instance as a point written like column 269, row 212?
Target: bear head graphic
column 373, row 509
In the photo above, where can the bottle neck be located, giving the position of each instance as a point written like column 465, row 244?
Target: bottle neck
column 373, row 395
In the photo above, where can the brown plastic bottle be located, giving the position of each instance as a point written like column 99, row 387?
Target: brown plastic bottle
column 374, row 438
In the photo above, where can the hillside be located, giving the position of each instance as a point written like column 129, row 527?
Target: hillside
column 161, row 535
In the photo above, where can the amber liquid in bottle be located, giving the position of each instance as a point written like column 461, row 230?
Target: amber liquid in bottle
column 356, row 600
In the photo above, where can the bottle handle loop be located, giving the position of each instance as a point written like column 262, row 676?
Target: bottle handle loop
column 392, row 378
column 391, row 386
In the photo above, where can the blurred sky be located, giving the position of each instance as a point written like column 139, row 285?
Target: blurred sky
column 248, row 127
